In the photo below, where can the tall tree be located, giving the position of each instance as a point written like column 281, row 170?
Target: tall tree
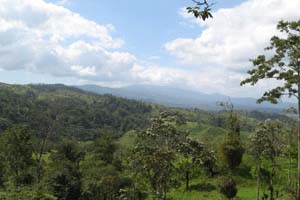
column 231, row 150
column 155, row 153
column 266, row 143
column 273, row 149
column 290, row 143
column 284, row 66
column 42, row 121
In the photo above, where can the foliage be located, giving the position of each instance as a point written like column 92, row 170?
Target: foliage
column 17, row 153
column 78, row 145
column 231, row 149
column 202, row 9
column 229, row 189
column 65, row 177
column 265, row 143
column 232, row 153
column 155, row 153
column 69, row 111
column 283, row 65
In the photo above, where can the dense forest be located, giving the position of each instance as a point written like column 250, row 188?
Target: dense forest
column 59, row 142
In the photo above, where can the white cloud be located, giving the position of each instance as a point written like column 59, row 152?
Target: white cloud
column 84, row 71
column 232, row 37
column 41, row 37
column 235, row 34
column 47, row 38
column 154, row 74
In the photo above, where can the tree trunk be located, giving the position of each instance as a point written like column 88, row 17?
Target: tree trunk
column 257, row 182
column 298, row 147
column 290, row 158
column 139, row 195
column 40, row 156
column 271, row 183
column 165, row 191
column 187, row 180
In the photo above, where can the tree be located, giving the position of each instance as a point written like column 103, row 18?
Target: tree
column 265, row 144
column 284, row 66
column 232, row 150
column 2, row 169
column 17, row 154
column 186, row 163
column 273, row 148
column 101, row 172
column 291, row 122
column 104, row 149
column 196, row 154
column 65, row 179
column 42, row 121
column 232, row 153
column 155, row 153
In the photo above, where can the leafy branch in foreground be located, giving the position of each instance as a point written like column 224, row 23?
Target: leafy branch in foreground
column 202, row 9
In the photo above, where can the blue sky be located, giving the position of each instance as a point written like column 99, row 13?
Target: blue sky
column 122, row 42
column 144, row 25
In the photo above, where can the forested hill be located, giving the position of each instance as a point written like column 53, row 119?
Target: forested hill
column 85, row 115
column 61, row 143
column 71, row 111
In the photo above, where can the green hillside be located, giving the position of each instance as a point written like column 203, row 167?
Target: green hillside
column 59, row 142
column 75, row 113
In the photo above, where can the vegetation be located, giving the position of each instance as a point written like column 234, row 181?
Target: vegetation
column 202, row 9
column 61, row 143
column 58, row 142
column 283, row 66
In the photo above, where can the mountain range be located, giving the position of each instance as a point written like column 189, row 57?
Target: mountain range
column 175, row 97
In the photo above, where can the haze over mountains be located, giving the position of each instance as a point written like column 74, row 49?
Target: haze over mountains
column 171, row 96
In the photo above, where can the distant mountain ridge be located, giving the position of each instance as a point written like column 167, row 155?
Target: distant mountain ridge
column 175, row 97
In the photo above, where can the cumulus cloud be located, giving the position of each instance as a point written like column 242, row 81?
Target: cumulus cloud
column 41, row 37
column 47, row 38
column 233, row 36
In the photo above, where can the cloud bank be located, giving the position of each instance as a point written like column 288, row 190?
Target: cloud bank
column 230, row 39
column 48, row 38
column 234, row 35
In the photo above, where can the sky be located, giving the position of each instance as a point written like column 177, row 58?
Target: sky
column 125, row 42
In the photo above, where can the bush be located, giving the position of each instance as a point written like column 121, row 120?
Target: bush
column 229, row 189
column 232, row 153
